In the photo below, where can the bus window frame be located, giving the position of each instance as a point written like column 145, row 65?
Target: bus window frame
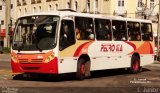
column 126, row 31
column 93, row 27
column 150, row 32
column 110, row 28
column 74, row 41
column 138, row 31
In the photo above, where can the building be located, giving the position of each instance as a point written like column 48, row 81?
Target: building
column 127, row 8
column 3, row 19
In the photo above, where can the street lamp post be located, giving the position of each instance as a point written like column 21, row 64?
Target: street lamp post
column 7, row 18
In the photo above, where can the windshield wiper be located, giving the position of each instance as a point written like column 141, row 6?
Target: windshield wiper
column 38, row 47
column 21, row 47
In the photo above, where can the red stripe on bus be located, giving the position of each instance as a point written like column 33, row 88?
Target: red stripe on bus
column 78, row 50
column 151, row 49
column 131, row 44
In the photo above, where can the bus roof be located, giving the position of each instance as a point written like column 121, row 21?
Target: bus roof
column 70, row 13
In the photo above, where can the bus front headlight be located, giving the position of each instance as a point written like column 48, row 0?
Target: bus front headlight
column 49, row 58
column 14, row 58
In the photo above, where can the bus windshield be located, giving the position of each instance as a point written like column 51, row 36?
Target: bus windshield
column 35, row 33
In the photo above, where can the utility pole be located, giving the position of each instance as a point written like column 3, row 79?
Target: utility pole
column 7, row 18
column 158, row 32
column 145, row 16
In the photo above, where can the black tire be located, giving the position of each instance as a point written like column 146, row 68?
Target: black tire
column 18, row 77
column 80, row 75
column 135, row 65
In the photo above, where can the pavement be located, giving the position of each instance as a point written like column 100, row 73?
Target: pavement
column 4, row 57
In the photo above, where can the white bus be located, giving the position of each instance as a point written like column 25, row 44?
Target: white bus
column 65, row 42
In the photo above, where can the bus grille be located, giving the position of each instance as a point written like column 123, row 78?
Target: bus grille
column 30, row 68
column 25, row 61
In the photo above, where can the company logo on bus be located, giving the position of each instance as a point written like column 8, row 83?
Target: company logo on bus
column 111, row 48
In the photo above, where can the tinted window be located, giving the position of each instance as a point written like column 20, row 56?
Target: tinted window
column 103, row 29
column 146, row 31
column 119, row 30
column 67, row 35
column 134, row 33
column 84, row 28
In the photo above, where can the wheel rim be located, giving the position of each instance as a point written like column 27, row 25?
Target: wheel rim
column 82, row 69
column 136, row 65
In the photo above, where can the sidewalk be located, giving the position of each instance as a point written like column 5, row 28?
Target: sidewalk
column 5, row 57
column 156, row 62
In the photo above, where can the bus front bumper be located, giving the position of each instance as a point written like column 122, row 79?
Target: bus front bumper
column 45, row 68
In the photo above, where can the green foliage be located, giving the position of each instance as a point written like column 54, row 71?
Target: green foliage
column 6, row 50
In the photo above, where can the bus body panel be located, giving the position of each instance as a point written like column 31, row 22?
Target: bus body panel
column 109, row 54
column 146, row 59
column 68, row 57
column 105, row 54
column 67, row 65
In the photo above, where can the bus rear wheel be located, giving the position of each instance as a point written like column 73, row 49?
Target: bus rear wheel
column 135, row 65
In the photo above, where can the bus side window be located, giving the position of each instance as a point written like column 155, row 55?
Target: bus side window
column 84, row 28
column 146, row 32
column 119, row 30
column 67, row 35
column 134, row 33
column 103, row 29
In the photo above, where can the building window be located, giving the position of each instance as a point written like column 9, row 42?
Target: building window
column 2, row 22
column 68, row 5
column 24, row 2
column 38, row 1
column 19, row 12
column 151, row 4
column 18, row 3
column 88, row 5
column 140, row 4
column 25, row 11
column 40, row 8
column 11, row 6
column 49, row 8
column 76, row 5
column 96, row 6
column 121, row 3
column 48, row 0
column 56, row 7
column 33, row 1
column 0, row 7
column 34, row 9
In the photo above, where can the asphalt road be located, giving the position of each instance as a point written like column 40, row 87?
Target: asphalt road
column 106, row 81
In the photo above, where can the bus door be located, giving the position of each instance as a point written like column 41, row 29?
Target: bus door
column 67, row 34
column 66, row 47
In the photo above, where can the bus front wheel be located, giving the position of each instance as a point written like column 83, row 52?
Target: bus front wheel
column 135, row 64
column 80, row 75
column 83, row 69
